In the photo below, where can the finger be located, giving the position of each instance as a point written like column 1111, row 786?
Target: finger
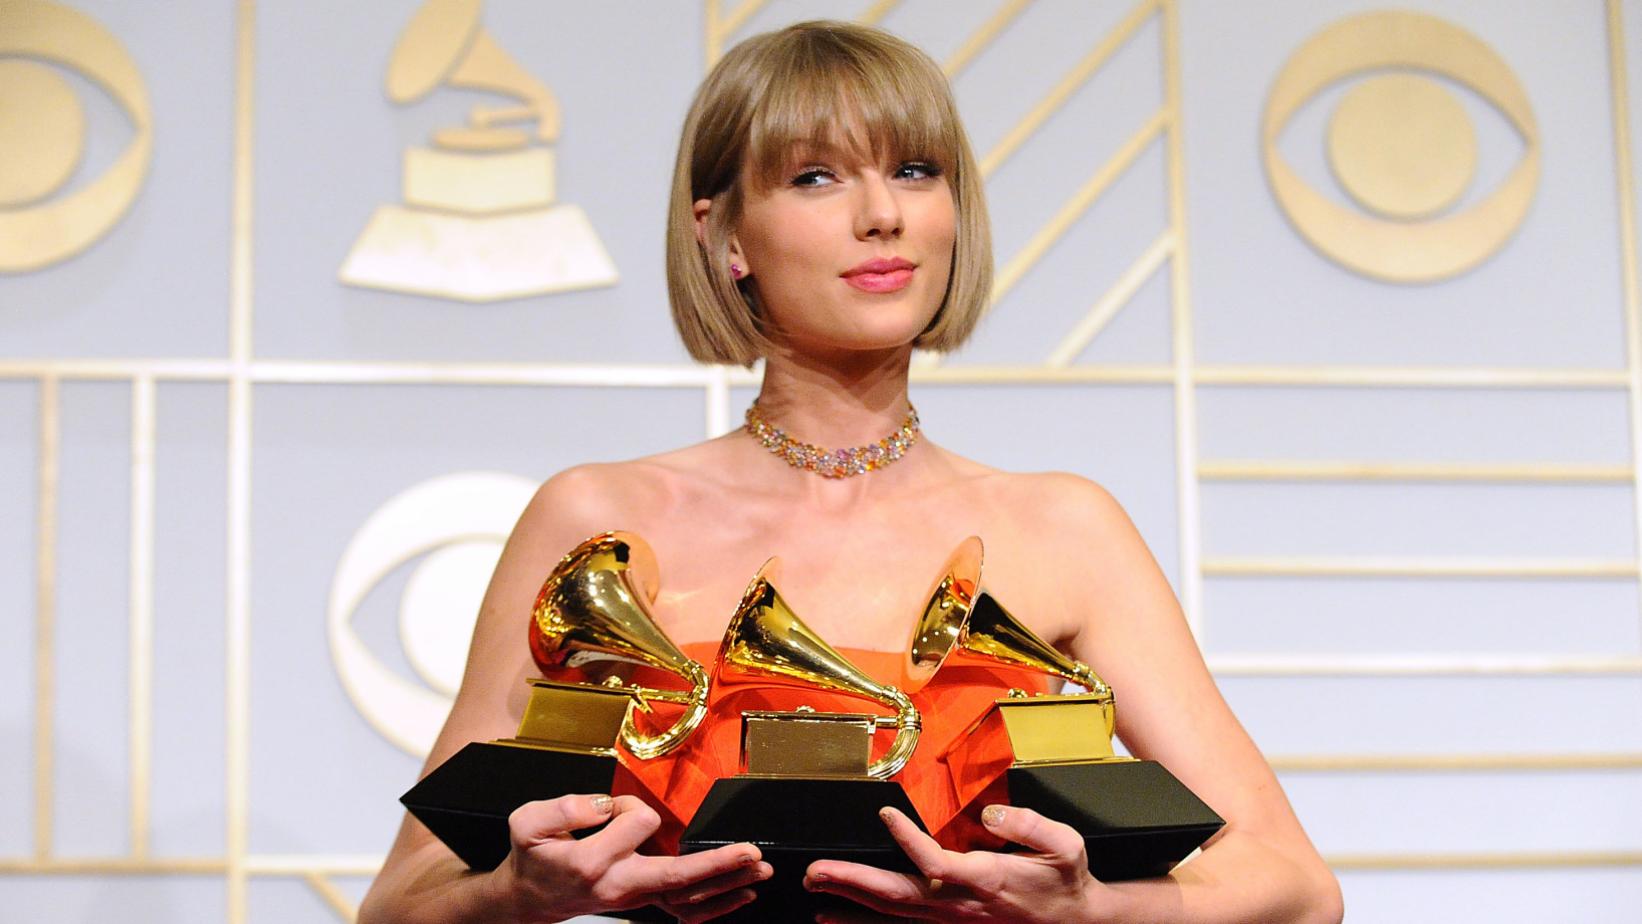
column 715, row 907
column 535, row 822
column 931, row 859
column 631, row 824
column 1029, row 829
column 979, row 871
column 902, row 888
column 724, row 882
column 664, row 875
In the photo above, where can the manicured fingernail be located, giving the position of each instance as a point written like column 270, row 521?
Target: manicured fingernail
column 603, row 804
column 992, row 816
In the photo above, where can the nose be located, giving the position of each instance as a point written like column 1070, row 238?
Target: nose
column 878, row 211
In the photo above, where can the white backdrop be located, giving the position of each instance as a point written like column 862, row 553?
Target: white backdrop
column 1402, row 517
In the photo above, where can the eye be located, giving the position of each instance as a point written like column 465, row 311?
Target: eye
column 1402, row 147
column 917, row 170
column 811, row 177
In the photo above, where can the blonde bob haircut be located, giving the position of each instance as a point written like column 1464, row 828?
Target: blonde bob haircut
column 813, row 83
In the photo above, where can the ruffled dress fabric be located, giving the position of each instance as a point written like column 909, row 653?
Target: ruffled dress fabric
column 950, row 705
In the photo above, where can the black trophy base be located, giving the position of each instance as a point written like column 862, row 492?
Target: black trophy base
column 795, row 822
column 1136, row 819
column 466, row 800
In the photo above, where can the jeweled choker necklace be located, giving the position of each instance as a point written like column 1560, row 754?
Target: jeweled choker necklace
column 834, row 463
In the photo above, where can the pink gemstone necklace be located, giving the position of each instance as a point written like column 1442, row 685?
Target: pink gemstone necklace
column 834, row 463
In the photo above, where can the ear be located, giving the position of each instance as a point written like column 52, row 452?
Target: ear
column 701, row 209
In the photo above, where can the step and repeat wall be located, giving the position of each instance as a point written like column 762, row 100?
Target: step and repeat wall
column 299, row 301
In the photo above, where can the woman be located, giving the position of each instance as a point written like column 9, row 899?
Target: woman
column 827, row 217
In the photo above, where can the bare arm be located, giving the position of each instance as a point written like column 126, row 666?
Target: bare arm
column 548, row 876
column 1261, row 867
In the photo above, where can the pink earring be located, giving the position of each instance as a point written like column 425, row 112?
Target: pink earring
column 735, row 271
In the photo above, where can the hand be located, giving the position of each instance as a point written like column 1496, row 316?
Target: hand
column 1050, row 884
column 551, row 876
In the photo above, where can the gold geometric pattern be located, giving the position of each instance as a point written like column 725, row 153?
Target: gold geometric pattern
column 242, row 369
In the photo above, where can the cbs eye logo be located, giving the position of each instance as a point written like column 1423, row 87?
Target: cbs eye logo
column 456, row 525
column 1402, row 147
column 42, row 134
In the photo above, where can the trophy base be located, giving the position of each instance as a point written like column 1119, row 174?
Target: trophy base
column 795, row 822
column 1136, row 819
column 467, row 799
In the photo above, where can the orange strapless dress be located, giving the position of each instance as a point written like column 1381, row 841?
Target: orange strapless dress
column 677, row 783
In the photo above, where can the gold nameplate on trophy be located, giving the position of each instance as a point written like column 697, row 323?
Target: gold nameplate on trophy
column 573, row 717
column 807, row 744
column 1043, row 729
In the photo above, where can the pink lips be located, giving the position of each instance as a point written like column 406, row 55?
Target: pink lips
column 880, row 275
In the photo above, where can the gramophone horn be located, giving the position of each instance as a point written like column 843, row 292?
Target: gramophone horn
column 595, row 606
column 946, row 612
column 962, row 621
column 766, row 644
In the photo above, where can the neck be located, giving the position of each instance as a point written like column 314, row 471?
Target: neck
column 836, row 401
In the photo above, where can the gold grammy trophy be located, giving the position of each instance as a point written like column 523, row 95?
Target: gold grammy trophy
column 808, row 788
column 1050, row 752
column 479, row 223
column 593, row 609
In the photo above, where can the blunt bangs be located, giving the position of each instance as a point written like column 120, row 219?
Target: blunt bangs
column 829, row 93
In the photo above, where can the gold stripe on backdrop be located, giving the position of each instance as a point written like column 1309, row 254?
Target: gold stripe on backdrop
column 1620, row 92
column 45, row 608
column 1417, row 566
column 332, row 896
column 1422, row 763
column 1188, row 513
column 1062, row 221
column 353, row 372
column 873, row 15
column 238, row 541
column 1460, row 664
column 1335, row 470
column 718, row 402
column 1549, row 859
column 984, row 36
column 140, row 609
column 115, row 866
column 1062, row 91
column 1101, row 314
column 1412, row 376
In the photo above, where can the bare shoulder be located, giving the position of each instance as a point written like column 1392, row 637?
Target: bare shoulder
column 595, row 497
column 1069, row 504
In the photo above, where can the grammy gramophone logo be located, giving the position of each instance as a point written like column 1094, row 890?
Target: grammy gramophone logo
column 479, row 222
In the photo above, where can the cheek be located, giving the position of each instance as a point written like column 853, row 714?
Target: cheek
column 779, row 240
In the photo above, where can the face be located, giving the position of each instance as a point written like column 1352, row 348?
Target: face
column 846, row 253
